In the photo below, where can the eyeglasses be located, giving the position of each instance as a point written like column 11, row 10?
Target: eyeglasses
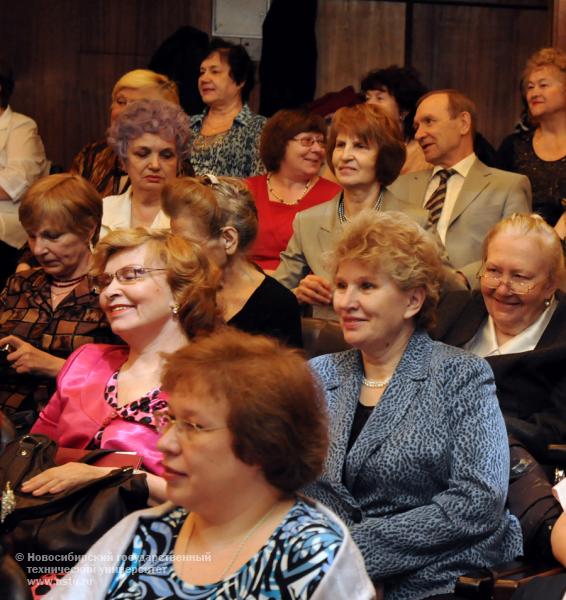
column 128, row 274
column 310, row 141
column 163, row 422
column 515, row 284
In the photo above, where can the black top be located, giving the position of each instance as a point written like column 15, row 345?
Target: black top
column 547, row 177
column 531, row 386
column 361, row 416
column 271, row 310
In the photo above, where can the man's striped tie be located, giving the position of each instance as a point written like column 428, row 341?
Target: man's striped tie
column 436, row 201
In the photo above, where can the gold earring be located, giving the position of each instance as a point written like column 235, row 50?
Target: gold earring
column 175, row 310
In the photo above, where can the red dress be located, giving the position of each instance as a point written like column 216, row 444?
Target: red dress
column 276, row 219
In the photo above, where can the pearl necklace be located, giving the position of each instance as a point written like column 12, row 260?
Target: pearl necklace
column 240, row 545
column 374, row 383
column 342, row 213
column 282, row 200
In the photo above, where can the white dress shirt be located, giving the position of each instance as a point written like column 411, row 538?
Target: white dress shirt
column 453, row 188
column 117, row 214
column 484, row 343
column 22, row 161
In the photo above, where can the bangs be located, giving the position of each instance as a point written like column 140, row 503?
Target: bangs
column 47, row 212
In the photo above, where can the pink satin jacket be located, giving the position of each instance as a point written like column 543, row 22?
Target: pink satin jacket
column 77, row 409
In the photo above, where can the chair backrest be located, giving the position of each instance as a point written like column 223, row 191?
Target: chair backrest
column 322, row 337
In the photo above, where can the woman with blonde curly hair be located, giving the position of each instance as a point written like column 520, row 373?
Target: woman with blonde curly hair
column 158, row 293
column 540, row 152
column 418, row 463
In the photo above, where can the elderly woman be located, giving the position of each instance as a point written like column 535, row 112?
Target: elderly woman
column 396, row 91
column 49, row 311
column 97, row 162
column 540, row 153
column 151, row 138
column 518, row 322
column 225, row 138
column 418, row 465
column 220, row 214
column 157, row 293
column 366, row 153
column 241, row 435
column 292, row 148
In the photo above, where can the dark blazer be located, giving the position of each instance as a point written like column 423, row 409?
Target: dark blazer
column 423, row 487
column 531, row 386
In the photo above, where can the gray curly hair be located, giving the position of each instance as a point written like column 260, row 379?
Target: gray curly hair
column 159, row 117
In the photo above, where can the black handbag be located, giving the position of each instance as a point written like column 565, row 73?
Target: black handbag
column 50, row 533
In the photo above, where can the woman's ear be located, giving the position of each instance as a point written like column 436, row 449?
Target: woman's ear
column 89, row 238
column 415, row 300
column 230, row 240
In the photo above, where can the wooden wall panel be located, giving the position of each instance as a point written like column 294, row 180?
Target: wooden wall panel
column 68, row 54
column 354, row 37
column 481, row 51
column 559, row 24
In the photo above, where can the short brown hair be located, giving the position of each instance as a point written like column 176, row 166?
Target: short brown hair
column 283, row 126
column 192, row 278
column 371, row 125
column 276, row 411
column 457, row 104
column 214, row 203
column 391, row 242
column 535, row 226
column 545, row 57
column 68, row 200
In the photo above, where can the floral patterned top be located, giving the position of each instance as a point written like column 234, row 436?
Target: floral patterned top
column 137, row 411
column 234, row 153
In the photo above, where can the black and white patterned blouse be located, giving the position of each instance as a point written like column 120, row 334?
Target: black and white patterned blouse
column 234, row 153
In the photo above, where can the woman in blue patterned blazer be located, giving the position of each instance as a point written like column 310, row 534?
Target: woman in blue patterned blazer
column 418, row 463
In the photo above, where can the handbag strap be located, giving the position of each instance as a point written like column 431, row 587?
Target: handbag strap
column 95, row 455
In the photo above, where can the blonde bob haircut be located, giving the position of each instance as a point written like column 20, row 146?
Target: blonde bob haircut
column 213, row 203
column 65, row 201
column 534, row 226
column 140, row 79
column 192, row 278
column 393, row 244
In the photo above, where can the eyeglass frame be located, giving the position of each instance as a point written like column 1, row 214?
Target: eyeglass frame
column 482, row 274
column 140, row 273
column 310, row 139
column 180, row 425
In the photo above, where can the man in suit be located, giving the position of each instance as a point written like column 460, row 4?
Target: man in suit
column 465, row 197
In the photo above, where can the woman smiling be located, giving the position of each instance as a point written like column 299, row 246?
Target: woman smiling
column 365, row 152
column 292, row 148
column 158, row 292
column 241, row 435
column 518, row 322
column 418, row 464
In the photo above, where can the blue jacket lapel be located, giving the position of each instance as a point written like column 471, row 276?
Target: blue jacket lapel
column 402, row 391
